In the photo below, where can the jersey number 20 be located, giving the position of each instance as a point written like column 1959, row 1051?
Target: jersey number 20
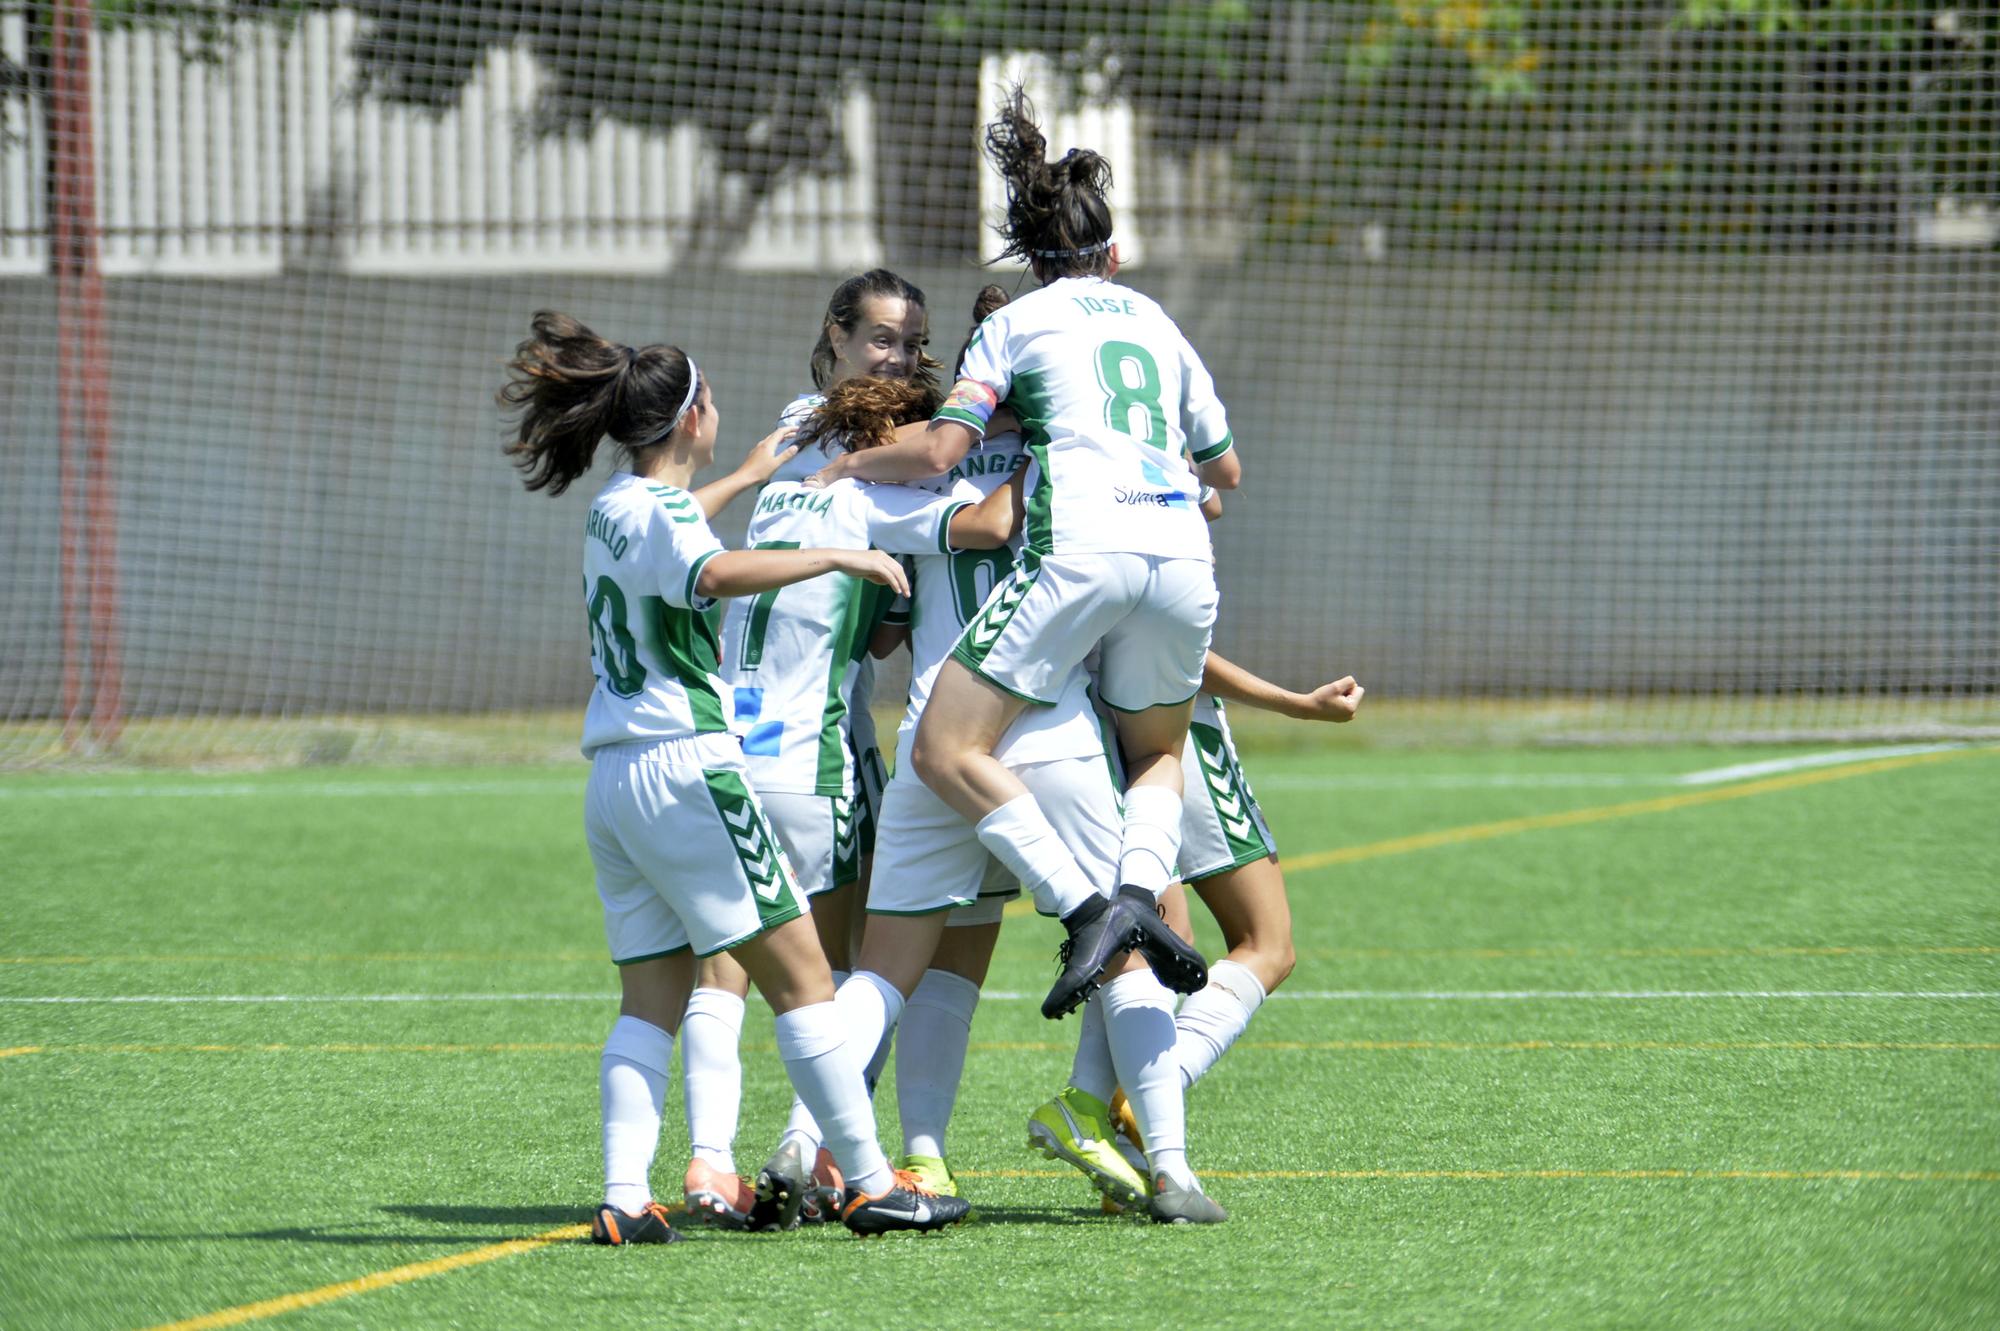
column 611, row 641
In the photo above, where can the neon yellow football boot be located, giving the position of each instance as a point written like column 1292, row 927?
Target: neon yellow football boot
column 1075, row 1128
column 932, row 1172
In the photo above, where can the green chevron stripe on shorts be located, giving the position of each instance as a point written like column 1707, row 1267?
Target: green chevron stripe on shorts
column 1235, row 809
column 985, row 627
column 756, row 845
column 846, row 842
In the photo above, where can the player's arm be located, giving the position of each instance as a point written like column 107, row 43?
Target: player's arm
column 1337, row 701
column 921, row 451
column 1211, row 502
column 1222, row 473
column 747, row 572
column 1210, row 445
column 993, row 521
column 887, row 637
column 892, row 630
column 762, row 463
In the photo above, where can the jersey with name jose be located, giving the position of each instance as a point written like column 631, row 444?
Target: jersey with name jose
column 791, row 655
column 948, row 589
column 1113, row 401
column 652, row 636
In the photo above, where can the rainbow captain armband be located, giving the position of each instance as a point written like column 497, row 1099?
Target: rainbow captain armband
column 971, row 404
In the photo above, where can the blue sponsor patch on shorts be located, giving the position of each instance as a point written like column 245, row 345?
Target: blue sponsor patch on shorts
column 764, row 739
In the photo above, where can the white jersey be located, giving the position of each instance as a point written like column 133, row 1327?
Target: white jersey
column 807, row 460
column 652, row 638
column 948, row 589
column 792, row 654
column 1113, row 402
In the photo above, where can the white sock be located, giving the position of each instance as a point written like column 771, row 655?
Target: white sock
column 1020, row 836
column 1210, row 1020
column 712, row 1074
column 1092, row 1072
column 1150, row 846
column 930, row 1057
column 632, row 1086
column 1139, row 1019
column 826, row 1073
column 799, row 1126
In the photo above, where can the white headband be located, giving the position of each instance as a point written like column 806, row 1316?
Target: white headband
column 1101, row 245
column 694, row 379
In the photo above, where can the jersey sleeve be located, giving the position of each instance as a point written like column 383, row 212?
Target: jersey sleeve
column 1202, row 417
column 984, row 379
column 907, row 521
column 681, row 544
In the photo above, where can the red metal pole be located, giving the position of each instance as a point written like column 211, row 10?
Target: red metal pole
column 83, row 373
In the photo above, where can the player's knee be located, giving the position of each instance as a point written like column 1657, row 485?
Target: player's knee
column 933, row 761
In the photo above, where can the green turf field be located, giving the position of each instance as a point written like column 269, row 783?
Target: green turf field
column 1626, row 1050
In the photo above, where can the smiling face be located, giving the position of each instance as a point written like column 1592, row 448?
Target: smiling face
column 886, row 342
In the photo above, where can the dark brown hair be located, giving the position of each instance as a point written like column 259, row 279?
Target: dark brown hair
column 990, row 298
column 574, row 388
column 864, row 412
column 844, row 310
column 1056, row 215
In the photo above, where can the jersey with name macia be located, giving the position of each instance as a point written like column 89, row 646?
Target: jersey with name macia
column 791, row 655
column 1113, row 403
column 652, row 635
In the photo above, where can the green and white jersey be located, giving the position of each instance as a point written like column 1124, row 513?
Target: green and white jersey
column 948, row 589
column 652, row 637
column 792, row 655
column 807, row 460
column 1113, row 402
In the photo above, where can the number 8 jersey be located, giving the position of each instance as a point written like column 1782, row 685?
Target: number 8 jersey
column 1113, row 402
column 652, row 638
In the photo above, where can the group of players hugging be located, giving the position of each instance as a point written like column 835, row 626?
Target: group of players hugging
column 1037, row 535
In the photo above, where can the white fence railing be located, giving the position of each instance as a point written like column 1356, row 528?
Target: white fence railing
column 240, row 165
column 264, row 157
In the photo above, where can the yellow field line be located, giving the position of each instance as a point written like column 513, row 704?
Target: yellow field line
column 401, row 1275
column 21, row 1049
column 1513, row 1175
column 1452, row 836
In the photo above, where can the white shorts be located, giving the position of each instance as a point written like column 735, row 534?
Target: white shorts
column 1152, row 614
column 684, row 854
column 820, row 838
column 1221, row 826
column 929, row 859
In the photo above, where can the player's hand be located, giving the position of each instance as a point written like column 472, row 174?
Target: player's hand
column 1337, row 701
column 828, row 474
column 770, row 453
column 875, row 566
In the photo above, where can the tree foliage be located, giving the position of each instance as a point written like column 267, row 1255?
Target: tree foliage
column 1501, row 122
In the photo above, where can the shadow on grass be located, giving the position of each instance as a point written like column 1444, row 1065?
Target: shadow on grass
column 542, row 1217
column 1039, row 1215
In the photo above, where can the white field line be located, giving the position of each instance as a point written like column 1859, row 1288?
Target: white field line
column 1461, row 780
column 1803, row 761
column 1010, row 996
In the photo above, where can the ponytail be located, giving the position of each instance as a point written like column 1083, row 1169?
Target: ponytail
column 990, row 298
column 574, row 388
column 1056, row 217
